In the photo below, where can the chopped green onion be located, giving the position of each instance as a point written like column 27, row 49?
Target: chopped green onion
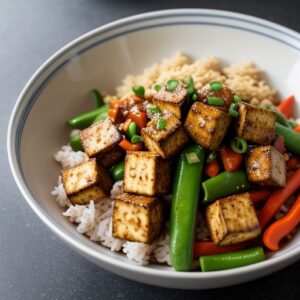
column 215, row 85
column 211, row 156
column 188, row 80
column 172, row 85
column 192, row 158
column 194, row 97
column 132, row 128
column 238, row 145
column 153, row 109
column 191, row 90
column 293, row 124
column 139, row 90
column 156, row 86
column 136, row 139
column 161, row 124
column 215, row 101
column 233, row 110
column 98, row 98
column 237, row 99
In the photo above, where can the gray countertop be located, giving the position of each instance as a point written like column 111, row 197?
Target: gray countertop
column 34, row 264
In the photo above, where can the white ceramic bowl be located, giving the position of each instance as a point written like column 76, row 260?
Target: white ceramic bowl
column 101, row 58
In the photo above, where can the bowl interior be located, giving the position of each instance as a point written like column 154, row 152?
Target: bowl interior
column 101, row 60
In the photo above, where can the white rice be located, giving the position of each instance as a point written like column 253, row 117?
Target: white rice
column 95, row 219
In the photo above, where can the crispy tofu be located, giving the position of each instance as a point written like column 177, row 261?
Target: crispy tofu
column 232, row 220
column 172, row 101
column 168, row 141
column 207, row 125
column 225, row 93
column 146, row 173
column 266, row 166
column 255, row 124
column 86, row 181
column 137, row 218
column 101, row 141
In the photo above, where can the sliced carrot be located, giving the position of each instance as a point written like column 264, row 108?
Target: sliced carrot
column 293, row 163
column 210, row 248
column 212, row 169
column 278, row 198
column 286, row 106
column 231, row 160
column 139, row 117
column 127, row 146
column 297, row 128
column 282, row 227
column 279, row 144
column 260, row 195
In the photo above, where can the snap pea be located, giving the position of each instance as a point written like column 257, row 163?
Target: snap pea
column 232, row 260
column 291, row 138
column 292, row 123
column 225, row 184
column 117, row 171
column 76, row 144
column 185, row 194
column 85, row 120
column 98, row 98
column 100, row 117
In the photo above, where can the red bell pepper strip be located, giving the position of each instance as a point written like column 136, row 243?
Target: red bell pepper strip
column 259, row 195
column 127, row 146
column 212, row 169
column 282, row 227
column 230, row 159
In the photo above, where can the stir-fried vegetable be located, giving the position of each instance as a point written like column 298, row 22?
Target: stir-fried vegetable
column 231, row 160
column 286, row 106
column 75, row 143
column 282, row 227
column 215, row 101
column 238, row 145
column 225, row 184
column 139, row 90
column 98, row 98
column 185, row 194
column 231, row 260
column 172, row 85
column 260, row 195
column 291, row 138
column 212, row 169
column 117, row 171
column 127, row 146
column 278, row 198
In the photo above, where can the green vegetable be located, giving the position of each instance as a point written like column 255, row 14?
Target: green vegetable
column 215, row 85
column 185, row 194
column 153, row 109
column 211, row 156
column 76, row 143
column 97, row 97
column 292, row 124
column 156, row 86
column 191, row 90
column 237, row 99
column 232, row 260
column 188, row 80
column 233, row 110
column 225, row 184
column 100, row 117
column 132, row 129
column 172, row 85
column 194, row 97
column 291, row 138
column 139, row 90
column 117, row 171
column 85, row 120
column 238, row 145
column 161, row 124
column 215, row 101
column 136, row 139
column 192, row 158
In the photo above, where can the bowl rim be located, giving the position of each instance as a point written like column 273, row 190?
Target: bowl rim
column 85, row 248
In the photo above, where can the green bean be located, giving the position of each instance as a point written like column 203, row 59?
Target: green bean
column 185, row 194
column 76, row 143
column 97, row 97
column 136, row 139
column 291, row 138
column 225, row 184
column 233, row 110
column 132, row 129
column 292, row 124
column 117, row 171
column 100, row 117
column 85, row 120
column 139, row 90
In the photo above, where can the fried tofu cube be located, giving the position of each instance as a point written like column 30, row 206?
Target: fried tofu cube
column 207, row 125
column 255, row 124
column 172, row 101
column 266, row 166
column 168, row 141
column 86, row 181
column 101, row 141
column 232, row 220
column 146, row 173
column 137, row 218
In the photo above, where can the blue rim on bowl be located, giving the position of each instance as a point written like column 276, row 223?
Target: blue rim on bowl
column 54, row 64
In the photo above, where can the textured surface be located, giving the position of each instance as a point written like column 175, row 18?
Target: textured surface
column 34, row 264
